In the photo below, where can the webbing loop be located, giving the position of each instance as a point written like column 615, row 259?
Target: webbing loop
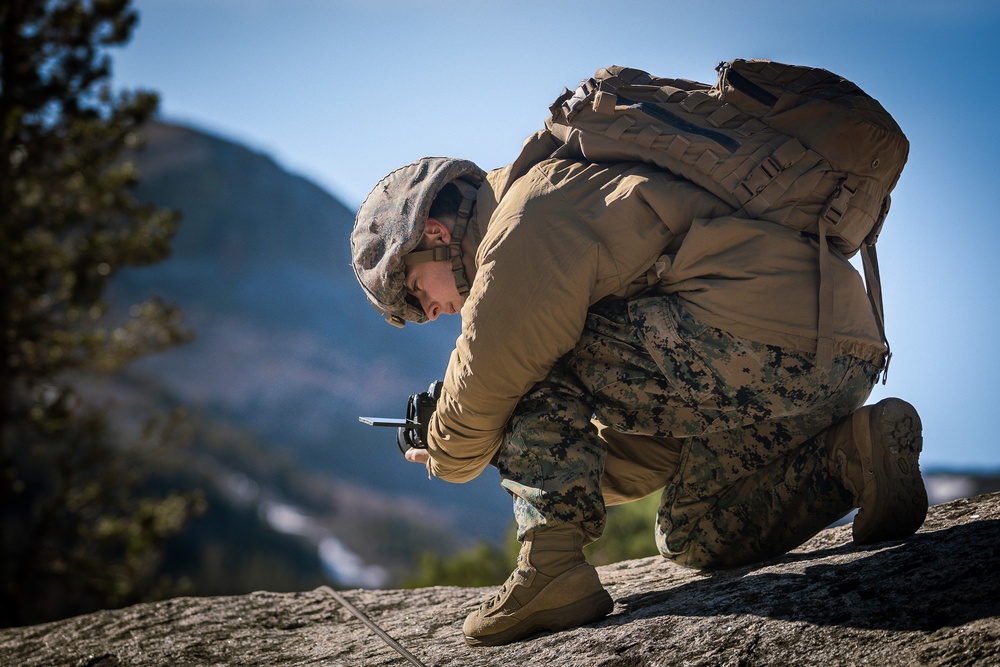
column 757, row 179
column 618, row 128
column 761, row 176
column 604, row 102
column 648, row 136
column 723, row 115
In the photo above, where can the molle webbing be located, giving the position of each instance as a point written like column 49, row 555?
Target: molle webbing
column 797, row 146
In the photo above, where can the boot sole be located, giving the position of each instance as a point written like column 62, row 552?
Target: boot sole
column 894, row 501
column 589, row 609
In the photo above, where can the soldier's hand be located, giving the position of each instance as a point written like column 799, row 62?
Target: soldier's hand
column 417, row 455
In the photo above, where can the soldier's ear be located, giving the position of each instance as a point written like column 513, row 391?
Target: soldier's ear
column 436, row 233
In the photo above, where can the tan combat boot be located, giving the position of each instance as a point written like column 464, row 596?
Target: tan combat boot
column 553, row 588
column 876, row 451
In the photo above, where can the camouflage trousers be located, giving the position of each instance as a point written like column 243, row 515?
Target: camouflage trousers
column 750, row 476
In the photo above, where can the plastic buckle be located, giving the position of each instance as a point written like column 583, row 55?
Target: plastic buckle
column 575, row 102
column 836, row 206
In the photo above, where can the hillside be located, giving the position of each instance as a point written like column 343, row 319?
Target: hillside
column 286, row 347
column 286, row 355
column 931, row 600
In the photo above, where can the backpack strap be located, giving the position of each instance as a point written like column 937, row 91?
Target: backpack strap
column 873, row 284
column 824, row 324
column 869, row 261
column 830, row 217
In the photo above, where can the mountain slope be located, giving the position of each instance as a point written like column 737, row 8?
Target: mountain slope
column 285, row 344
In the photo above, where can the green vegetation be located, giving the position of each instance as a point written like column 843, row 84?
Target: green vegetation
column 628, row 535
column 483, row 564
column 77, row 534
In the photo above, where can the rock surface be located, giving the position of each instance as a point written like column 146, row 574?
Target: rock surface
column 931, row 600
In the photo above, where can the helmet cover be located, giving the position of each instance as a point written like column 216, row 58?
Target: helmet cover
column 390, row 224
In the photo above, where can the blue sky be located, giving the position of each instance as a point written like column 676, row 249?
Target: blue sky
column 342, row 92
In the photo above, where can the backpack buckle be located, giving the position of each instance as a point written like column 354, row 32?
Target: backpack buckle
column 836, row 206
column 572, row 102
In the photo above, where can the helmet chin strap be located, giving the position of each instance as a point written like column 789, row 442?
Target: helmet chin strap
column 453, row 251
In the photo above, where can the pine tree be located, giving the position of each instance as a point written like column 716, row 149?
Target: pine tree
column 76, row 533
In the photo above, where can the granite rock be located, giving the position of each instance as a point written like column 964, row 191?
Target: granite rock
column 933, row 599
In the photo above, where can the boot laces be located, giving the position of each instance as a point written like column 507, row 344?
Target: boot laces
column 496, row 599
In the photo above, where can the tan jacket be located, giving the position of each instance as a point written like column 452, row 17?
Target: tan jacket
column 556, row 236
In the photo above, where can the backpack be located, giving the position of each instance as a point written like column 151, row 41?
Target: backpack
column 797, row 146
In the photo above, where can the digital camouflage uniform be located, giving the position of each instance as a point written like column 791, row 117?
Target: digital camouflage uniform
column 623, row 292
column 626, row 331
column 753, row 479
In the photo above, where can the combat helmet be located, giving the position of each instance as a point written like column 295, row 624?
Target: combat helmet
column 390, row 224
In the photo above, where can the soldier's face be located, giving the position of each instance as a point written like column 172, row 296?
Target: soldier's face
column 433, row 284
